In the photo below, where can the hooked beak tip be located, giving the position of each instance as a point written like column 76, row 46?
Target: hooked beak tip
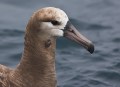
column 91, row 48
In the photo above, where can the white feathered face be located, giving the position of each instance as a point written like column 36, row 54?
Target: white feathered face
column 53, row 22
column 54, row 27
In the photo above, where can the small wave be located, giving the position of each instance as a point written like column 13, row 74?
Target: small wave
column 10, row 45
column 98, row 26
column 5, row 63
column 15, row 57
column 10, row 32
column 89, row 26
column 109, row 75
column 117, row 65
column 117, row 39
column 116, row 50
column 98, row 82
column 66, row 43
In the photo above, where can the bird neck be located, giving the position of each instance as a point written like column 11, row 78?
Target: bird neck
column 37, row 66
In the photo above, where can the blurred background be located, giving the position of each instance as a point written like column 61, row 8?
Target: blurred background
column 98, row 20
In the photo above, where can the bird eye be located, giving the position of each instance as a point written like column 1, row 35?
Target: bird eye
column 55, row 22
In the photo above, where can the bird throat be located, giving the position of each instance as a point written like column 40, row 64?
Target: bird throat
column 38, row 62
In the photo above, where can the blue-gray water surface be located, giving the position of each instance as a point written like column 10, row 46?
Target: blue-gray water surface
column 99, row 20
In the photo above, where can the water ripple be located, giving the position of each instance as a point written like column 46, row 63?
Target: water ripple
column 10, row 32
column 109, row 75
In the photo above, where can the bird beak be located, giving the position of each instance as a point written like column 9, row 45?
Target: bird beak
column 72, row 33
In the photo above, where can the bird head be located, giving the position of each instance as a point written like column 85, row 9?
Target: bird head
column 54, row 22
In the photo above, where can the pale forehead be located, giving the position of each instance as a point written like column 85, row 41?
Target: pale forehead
column 51, row 13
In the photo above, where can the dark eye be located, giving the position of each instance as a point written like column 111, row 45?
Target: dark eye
column 55, row 22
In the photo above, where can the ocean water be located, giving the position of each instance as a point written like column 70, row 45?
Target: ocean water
column 99, row 20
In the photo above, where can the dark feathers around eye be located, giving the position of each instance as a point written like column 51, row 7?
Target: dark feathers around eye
column 54, row 22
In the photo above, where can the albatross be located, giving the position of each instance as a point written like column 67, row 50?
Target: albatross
column 37, row 65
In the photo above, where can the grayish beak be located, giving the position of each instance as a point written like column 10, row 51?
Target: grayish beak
column 72, row 33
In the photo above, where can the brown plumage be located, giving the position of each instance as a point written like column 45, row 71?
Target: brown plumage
column 37, row 65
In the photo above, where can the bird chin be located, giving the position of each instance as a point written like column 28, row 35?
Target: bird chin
column 57, row 32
